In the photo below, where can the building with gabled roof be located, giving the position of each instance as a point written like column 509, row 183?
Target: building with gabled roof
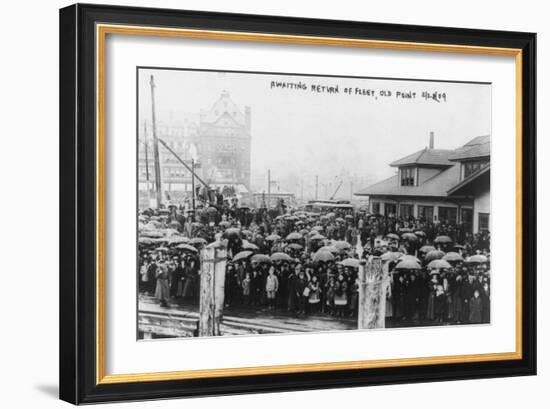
column 438, row 184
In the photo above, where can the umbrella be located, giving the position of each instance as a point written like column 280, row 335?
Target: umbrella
column 295, row 246
column 478, row 258
column 170, row 232
column 420, row 233
column 452, row 256
column 331, row 215
column 439, row 264
column 232, row 232
column 405, row 230
column 331, row 249
column 303, row 232
column 280, row 257
column 249, row 246
column 434, row 255
column 225, row 224
column 458, row 247
column 186, row 247
column 317, row 237
column 341, row 245
column 323, row 255
column 409, row 257
column 212, row 210
column 340, row 220
column 145, row 241
column 260, row 258
column 242, row 255
column 390, row 256
column 247, row 232
column 317, row 228
column 294, row 236
column 426, row 249
column 162, row 249
column 392, row 236
column 291, row 218
column 151, row 233
column 408, row 265
column 198, row 241
column 409, row 236
column 350, row 262
column 178, row 240
column 273, row 237
column 443, row 240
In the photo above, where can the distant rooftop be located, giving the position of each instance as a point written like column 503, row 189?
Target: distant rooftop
column 427, row 157
column 478, row 147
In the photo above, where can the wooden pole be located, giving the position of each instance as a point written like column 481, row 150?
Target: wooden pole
column 212, row 289
column 373, row 287
column 158, row 185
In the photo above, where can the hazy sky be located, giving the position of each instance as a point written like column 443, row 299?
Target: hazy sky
column 302, row 133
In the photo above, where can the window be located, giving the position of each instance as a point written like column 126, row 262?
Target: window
column 472, row 167
column 376, row 208
column 483, row 219
column 406, row 211
column 407, row 176
column 426, row 213
column 448, row 214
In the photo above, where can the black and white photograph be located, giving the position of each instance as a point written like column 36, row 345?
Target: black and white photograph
column 274, row 203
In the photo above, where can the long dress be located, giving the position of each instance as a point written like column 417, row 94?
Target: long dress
column 162, row 290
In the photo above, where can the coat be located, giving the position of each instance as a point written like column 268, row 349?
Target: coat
column 476, row 310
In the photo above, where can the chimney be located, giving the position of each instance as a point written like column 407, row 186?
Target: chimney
column 431, row 140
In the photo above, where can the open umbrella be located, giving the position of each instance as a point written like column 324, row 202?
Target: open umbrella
column 426, row 249
column 443, row 240
column 249, row 246
column 247, row 232
column 317, row 237
column 331, row 249
column 350, row 262
column 341, row 245
column 186, row 247
column 197, row 241
column 478, row 258
column 232, row 232
column 323, row 255
column 317, row 228
column 392, row 236
column 146, row 241
column 434, row 255
column 178, row 240
column 339, row 220
column 260, row 258
column 451, row 256
column 408, row 265
column 294, row 236
column 280, row 257
column 295, row 246
column 391, row 255
column 151, row 233
column 162, row 249
column 439, row 264
column 409, row 257
column 420, row 233
column 242, row 255
column 409, row 236
column 405, row 230
column 303, row 232
column 273, row 237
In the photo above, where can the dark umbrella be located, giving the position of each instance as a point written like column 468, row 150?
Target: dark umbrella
column 232, row 232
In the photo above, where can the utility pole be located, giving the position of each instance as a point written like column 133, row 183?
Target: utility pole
column 268, row 189
column 156, row 146
column 193, row 184
column 316, row 187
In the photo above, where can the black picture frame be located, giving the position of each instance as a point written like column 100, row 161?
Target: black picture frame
column 78, row 236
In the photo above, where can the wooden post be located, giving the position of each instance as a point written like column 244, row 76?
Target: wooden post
column 374, row 281
column 212, row 289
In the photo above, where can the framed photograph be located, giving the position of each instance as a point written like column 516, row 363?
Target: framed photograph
column 257, row 203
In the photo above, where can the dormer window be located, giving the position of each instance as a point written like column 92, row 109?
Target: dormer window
column 473, row 166
column 408, row 176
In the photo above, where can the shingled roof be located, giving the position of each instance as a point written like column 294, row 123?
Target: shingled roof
column 426, row 157
column 436, row 186
column 478, row 147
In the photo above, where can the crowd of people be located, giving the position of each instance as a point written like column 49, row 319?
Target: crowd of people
column 292, row 261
